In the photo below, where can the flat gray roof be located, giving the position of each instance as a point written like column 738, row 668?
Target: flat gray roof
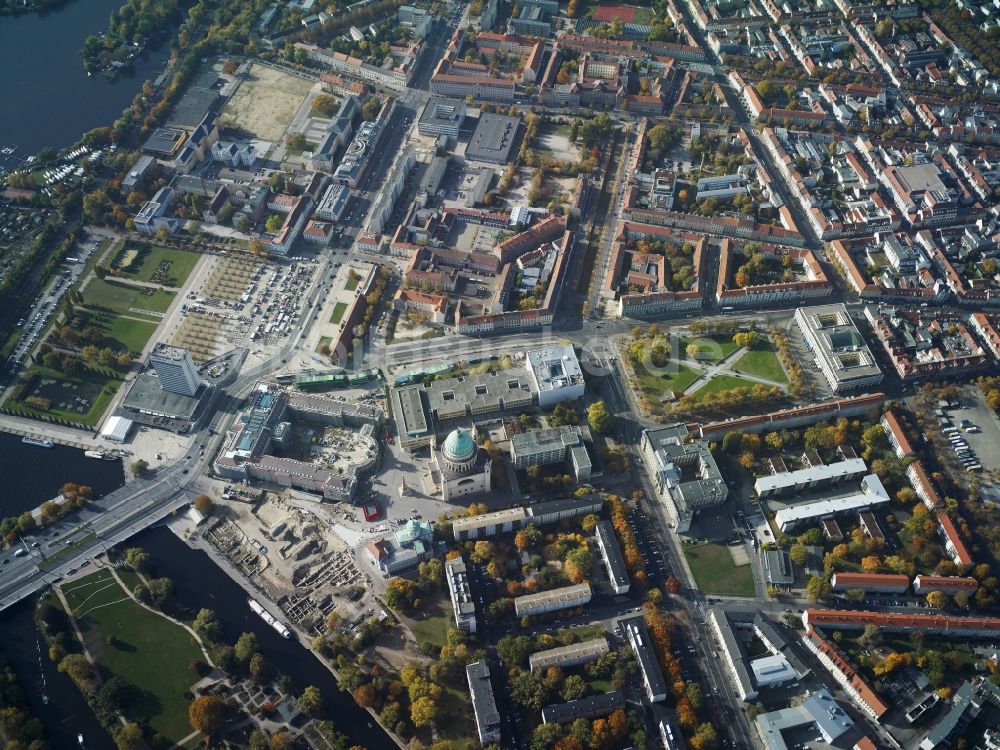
column 639, row 639
column 483, row 702
column 408, row 410
column 147, row 396
column 494, row 139
column 777, row 566
column 594, row 705
column 611, row 553
column 832, row 336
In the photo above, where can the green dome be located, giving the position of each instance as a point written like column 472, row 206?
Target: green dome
column 459, row 446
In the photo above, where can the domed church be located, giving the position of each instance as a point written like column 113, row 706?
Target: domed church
column 460, row 466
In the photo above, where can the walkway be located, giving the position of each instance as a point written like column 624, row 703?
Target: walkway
column 724, row 367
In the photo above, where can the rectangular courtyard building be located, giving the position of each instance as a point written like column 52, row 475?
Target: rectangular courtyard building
column 838, row 347
column 555, row 373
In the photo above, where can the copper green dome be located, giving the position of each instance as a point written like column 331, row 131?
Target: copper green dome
column 459, row 446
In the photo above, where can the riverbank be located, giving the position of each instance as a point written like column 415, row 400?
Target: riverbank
column 203, row 581
column 186, row 531
column 34, row 475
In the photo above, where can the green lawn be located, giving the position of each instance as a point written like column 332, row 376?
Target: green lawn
column 181, row 263
column 678, row 378
column 338, row 312
column 722, row 383
column 715, row 572
column 709, row 349
column 582, row 632
column 150, row 652
column 762, row 361
column 118, row 296
column 432, row 625
column 131, row 334
column 352, row 283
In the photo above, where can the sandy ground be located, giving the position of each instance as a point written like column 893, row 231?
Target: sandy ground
column 266, row 102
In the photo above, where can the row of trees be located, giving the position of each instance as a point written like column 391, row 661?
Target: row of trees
column 76, row 495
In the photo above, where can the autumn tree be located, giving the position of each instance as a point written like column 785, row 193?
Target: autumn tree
column 129, row 737
column 204, row 505
column 311, row 701
column 207, row 714
column 937, row 599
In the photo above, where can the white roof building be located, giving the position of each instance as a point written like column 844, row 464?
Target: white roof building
column 117, row 429
column 873, row 493
column 772, row 670
column 555, row 374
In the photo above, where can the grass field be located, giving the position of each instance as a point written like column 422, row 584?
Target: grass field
column 715, row 573
column 710, row 349
column 181, row 262
column 679, row 378
column 338, row 312
column 762, row 362
column 120, row 297
column 432, row 627
column 722, row 383
column 149, row 651
column 352, row 283
column 132, row 334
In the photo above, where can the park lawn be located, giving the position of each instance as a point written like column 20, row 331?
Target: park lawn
column 762, row 361
column 352, row 283
column 710, row 349
column 722, row 383
column 120, row 297
column 131, row 334
column 715, row 573
column 152, row 653
column 182, row 263
column 458, row 724
column 109, row 387
column 338, row 312
column 582, row 632
column 680, row 377
column 432, row 626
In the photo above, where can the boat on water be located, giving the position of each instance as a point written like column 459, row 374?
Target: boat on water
column 101, row 455
column 38, row 441
column 267, row 617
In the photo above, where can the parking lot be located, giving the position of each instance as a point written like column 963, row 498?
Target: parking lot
column 967, row 437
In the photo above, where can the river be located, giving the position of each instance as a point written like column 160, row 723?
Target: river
column 200, row 583
column 48, row 99
column 33, row 475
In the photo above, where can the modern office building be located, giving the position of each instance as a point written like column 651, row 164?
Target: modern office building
column 442, row 117
column 607, row 542
column 175, row 369
column 495, row 139
column 553, row 600
column 649, row 667
column 555, row 373
column 461, row 594
column 551, row 446
column 836, row 344
column 483, row 702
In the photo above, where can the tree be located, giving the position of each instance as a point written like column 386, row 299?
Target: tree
column 370, row 108
column 423, row 711
column 273, row 223
column 937, row 599
column 207, row 714
column 705, row 737
column 598, row 417
column 140, row 467
column 817, row 589
column 514, row 650
column 204, row 505
column 871, row 564
column 325, row 104
column 482, row 551
column 798, row 554
column 574, row 687
column 746, row 340
column 872, row 635
column 246, row 646
column 129, row 737
column 311, row 701
column 207, row 625
column 139, row 560
column 261, row 669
